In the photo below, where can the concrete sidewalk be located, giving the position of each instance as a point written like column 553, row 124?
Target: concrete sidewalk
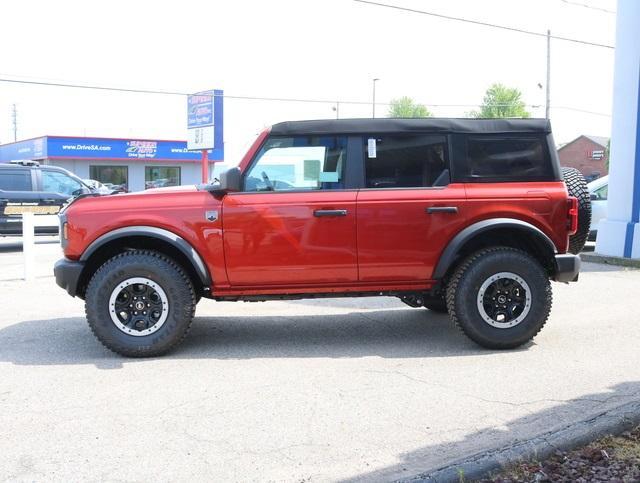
column 358, row 389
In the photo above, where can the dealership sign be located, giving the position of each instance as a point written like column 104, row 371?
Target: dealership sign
column 58, row 147
column 204, row 120
column 118, row 149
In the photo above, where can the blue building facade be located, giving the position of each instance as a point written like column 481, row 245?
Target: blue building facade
column 135, row 163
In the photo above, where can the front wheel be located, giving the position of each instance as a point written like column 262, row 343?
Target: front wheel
column 499, row 297
column 140, row 303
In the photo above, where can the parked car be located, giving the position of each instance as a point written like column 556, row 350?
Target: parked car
column 158, row 183
column 598, row 191
column 25, row 186
column 98, row 187
column 116, row 188
column 471, row 217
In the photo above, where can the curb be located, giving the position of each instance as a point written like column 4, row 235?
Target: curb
column 610, row 260
column 577, row 434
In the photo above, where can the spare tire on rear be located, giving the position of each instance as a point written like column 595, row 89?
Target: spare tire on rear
column 577, row 187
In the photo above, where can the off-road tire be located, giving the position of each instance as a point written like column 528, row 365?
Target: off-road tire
column 466, row 281
column 577, row 186
column 163, row 271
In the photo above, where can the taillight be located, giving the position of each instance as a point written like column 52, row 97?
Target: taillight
column 572, row 215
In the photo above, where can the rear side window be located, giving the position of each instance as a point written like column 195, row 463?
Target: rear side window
column 15, row 180
column 416, row 161
column 494, row 158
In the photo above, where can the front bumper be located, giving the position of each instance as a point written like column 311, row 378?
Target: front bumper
column 67, row 273
column 567, row 268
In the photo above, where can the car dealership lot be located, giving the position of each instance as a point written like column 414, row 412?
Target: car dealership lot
column 307, row 390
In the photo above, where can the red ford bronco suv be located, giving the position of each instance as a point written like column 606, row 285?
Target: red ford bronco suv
column 466, row 216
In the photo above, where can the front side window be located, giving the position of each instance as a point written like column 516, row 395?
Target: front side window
column 56, row 182
column 161, row 176
column 494, row 158
column 299, row 163
column 414, row 161
column 15, row 180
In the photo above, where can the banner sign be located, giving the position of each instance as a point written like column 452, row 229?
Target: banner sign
column 99, row 148
column 133, row 149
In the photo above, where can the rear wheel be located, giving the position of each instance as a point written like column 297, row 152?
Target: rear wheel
column 140, row 303
column 499, row 297
column 577, row 186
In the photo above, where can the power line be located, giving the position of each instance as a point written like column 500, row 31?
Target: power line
column 586, row 5
column 259, row 98
column 226, row 96
column 484, row 24
column 585, row 111
column 176, row 93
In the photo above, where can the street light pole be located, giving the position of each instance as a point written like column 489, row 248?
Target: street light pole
column 373, row 102
column 548, row 86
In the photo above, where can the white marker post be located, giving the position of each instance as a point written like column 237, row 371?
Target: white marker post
column 28, row 245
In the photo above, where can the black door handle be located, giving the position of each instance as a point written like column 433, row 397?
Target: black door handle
column 441, row 209
column 320, row 213
column 49, row 200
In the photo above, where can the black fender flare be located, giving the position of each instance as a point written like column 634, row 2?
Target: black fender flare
column 457, row 242
column 153, row 232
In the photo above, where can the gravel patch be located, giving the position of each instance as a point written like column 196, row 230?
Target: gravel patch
column 611, row 459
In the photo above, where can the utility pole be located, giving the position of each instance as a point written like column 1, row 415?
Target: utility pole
column 373, row 102
column 548, row 86
column 14, row 117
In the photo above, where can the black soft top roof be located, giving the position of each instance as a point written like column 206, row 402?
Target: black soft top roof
column 399, row 126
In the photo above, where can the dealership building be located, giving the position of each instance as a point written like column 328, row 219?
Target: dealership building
column 135, row 164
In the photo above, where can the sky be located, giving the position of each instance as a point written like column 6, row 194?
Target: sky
column 305, row 49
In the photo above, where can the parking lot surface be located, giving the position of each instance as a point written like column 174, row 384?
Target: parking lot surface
column 365, row 389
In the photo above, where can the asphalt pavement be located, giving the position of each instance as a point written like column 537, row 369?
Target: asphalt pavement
column 317, row 390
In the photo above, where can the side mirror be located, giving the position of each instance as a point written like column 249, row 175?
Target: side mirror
column 229, row 181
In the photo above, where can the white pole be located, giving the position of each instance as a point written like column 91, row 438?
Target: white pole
column 548, row 86
column 28, row 245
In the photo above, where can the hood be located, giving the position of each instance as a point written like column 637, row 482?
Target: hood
column 167, row 189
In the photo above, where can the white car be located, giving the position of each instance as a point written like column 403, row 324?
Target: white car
column 598, row 189
column 98, row 187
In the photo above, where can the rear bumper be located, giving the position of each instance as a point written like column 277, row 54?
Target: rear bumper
column 67, row 273
column 567, row 268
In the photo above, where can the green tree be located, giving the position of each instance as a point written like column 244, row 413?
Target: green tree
column 406, row 107
column 501, row 101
